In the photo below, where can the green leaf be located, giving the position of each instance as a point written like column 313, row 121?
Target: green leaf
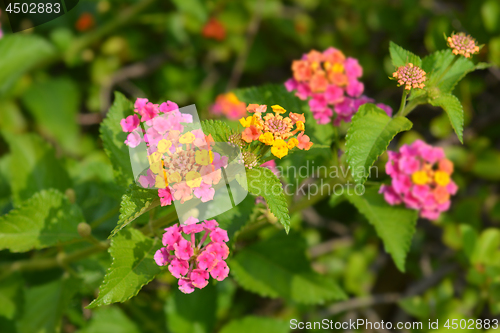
column 110, row 319
column 135, row 202
column 278, row 267
column 254, row 324
column 218, row 129
column 45, row 220
column 263, row 182
column 45, row 305
column 54, row 104
column 20, row 53
column 451, row 104
column 34, row 167
column 401, row 57
column 113, row 139
column 192, row 313
column 370, row 133
column 11, row 296
column 133, row 266
column 469, row 239
column 395, row 225
column 195, row 8
column 439, row 73
column 486, row 249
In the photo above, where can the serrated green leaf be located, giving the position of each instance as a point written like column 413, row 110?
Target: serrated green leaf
column 451, row 104
column 192, row 313
column 20, row 53
column 110, row 319
column 218, row 129
column 135, row 202
column 45, row 305
column 34, row 167
column 278, row 267
column 370, row 133
column 395, row 225
column 45, row 220
column 401, row 57
column 254, row 324
column 439, row 73
column 133, row 266
column 113, row 139
column 60, row 94
column 263, row 182
column 483, row 65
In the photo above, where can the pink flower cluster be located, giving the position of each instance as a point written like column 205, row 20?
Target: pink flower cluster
column 181, row 165
column 421, row 179
column 331, row 82
column 193, row 262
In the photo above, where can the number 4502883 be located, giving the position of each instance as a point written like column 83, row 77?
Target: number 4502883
column 471, row 324
column 34, row 8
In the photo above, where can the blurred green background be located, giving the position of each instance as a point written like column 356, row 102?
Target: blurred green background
column 57, row 80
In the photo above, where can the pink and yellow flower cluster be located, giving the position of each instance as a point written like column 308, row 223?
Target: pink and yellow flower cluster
column 274, row 130
column 229, row 105
column 421, row 179
column 331, row 82
column 410, row 76
column 192, row 261
column 181, row 163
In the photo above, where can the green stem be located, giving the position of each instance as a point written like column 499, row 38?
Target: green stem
column 148, row 229
column 403, row 103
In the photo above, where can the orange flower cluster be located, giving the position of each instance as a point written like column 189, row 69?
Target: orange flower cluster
column 462, row 44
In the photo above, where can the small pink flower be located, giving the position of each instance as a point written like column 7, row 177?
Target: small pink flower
column 291, row 84
column 140, row 103
column 352, row 68
column 219, row 161
column 183, row 249
column 271, row 165
column 206, row 261
column 130, row 123
column 209, row 175
column 161, row 256
column 182, row 192
column 219, row 235
column 210, row 225
column 149, row 111
column 178, row 268
column 355, row 88
column 334, row 94
column 191, row 220
column 186, row 286
column 168, row 106
column 199, row 278
column 386, row 108
column 133, row 139
column 172, row 235
column 220, row 271
column 220, row 250
column 205, row 192
column 165, row 196
column 148, row 180
column 192, row 228
column 161, row 124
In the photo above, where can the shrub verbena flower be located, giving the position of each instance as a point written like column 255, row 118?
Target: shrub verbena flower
column 331, row 83
column 421, row 179
column 274, row 130
column 182, row 165
column 191, row 260
column 410, row 76
column 462, row 44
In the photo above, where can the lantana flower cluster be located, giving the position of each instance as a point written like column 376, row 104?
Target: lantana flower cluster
column 274, row 130
column 421, row 179
column 331, row 83
column 191, row 261
column 462, row 44
column 410, row 76
column 181, row 163
column 229, row 105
